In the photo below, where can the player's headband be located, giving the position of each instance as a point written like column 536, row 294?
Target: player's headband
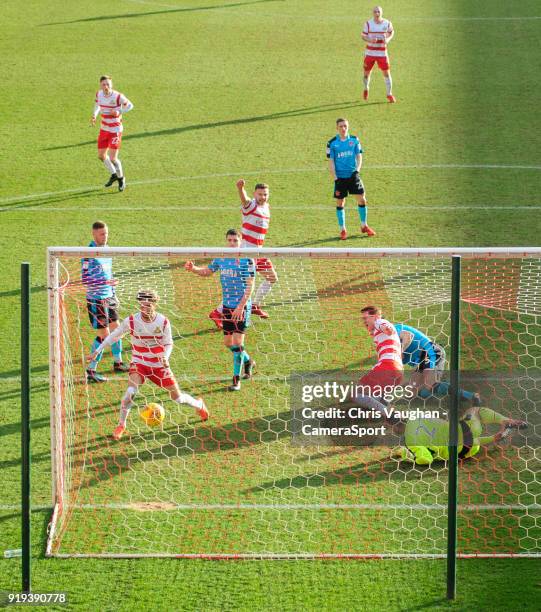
column 147, row 296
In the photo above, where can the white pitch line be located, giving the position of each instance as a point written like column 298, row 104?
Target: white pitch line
column 383, row 507
column 384, row 207
column 144, row 507
column 11, row 507
column 46, row 194
column 186, row 378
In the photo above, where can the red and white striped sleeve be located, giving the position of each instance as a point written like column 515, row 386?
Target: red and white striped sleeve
column 366, row 28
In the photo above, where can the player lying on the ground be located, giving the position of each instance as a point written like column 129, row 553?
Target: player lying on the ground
column 237, row 279
column 388, row 371
column 427, row 440
column 111, row 104
column 428, row 359
column 377, row 32
column 101, row 302
column 152, row 343
column 345, row 157
column 255, row 225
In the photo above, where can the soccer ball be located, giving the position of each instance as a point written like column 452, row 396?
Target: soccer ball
column 153, row 414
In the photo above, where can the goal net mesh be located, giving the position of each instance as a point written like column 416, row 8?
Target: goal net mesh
column 237, row 485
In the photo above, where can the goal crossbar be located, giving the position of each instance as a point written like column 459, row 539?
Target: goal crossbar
column 467, row 252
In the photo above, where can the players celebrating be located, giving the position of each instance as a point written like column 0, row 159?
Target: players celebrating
column 152, row 343
column 377, row 32
column 428, row 359
column 102, row 304
column 111, row 104
column 237, row 279
column 344, row 153
column 255, row 225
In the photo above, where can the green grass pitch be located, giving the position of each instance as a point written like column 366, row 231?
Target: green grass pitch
column 252, row 88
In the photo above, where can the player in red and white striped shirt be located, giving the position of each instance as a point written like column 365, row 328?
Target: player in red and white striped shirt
column 388, row 371
column 152, row 343
column 255, row 225
column 111, row 105
column 377, row 32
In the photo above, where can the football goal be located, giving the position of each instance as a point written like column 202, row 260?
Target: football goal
column 250, row 482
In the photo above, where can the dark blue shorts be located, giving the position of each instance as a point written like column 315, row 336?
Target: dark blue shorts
column 346, row 186
column 235, row 327
column 102, row 311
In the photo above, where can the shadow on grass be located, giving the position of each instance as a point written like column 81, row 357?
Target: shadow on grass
column 297, row 112
column 10, row 428
column 39, row 530
column 430, row 605
column 13, row 293
column 353, row 475
column 195, row 334
column 110, row 459
column 355, row 284
column 188, row 9
column 25, row 202
column 333, row 239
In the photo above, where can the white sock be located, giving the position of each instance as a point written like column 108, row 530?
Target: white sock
column 185, row 398
column 109, row 165
column 126, row 405
column 118, row 166
column 389, row 85
column 366, row 81
column 262, row 291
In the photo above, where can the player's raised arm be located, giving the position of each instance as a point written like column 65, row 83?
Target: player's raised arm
column 115, row 335
column 199, row 270
column 245, row 200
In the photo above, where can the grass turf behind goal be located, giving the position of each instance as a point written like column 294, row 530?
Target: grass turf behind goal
column 236, row 486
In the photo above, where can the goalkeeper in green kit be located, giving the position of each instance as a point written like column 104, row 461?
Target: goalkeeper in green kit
column 426, row 440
